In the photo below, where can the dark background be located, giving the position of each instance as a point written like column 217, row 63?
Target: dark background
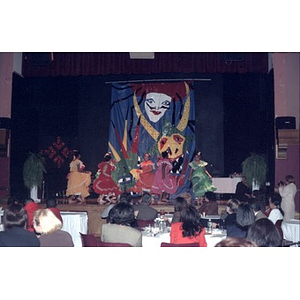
column 234, row 115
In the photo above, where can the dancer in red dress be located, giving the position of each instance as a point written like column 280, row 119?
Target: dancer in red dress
column 104, row 185
column 146, row 176
column 164, row 182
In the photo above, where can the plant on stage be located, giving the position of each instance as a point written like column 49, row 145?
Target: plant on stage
column 254, row 168
column 33, row 170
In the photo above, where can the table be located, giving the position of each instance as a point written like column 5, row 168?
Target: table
column 75, row 222
column 225, row 185
column 155, row 241
column 291, row 230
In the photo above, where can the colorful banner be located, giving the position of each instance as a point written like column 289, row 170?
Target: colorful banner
column 152, row 118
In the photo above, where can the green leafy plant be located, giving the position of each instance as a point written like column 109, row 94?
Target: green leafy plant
column 254, row 168
column 33, row 170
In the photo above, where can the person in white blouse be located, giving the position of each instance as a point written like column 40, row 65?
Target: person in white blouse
column 288, row 191
column 276, row 210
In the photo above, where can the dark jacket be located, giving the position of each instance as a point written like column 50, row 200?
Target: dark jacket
column 18, row 237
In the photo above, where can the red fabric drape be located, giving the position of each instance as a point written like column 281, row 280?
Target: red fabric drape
column 116, row 63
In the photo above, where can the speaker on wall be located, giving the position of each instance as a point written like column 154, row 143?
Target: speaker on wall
column 285, row 123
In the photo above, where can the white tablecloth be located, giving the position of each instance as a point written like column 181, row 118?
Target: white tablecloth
column 225, row 185
column 291, row 230
column 75, row 222
column 214, row 238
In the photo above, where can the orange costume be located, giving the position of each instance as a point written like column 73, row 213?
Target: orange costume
column 146, row 176
column 78, row 181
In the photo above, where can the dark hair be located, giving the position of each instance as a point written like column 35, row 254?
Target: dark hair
column 211, row 196
column 165, row 154
column 245, row 215
column 122, row 214
column 180, row 204
column 125, row 197
column 12, row 200
column 256, row 204
column 236, row 242
column 191, row 224
column 51, row 202
column 15, row 215
column 264, row 233
column 289, row 179
column 146, row 197
column 76, row 153
column 107, row 157
column 276, row 199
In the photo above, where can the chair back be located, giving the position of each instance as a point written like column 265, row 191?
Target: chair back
column 144, row 223
column 107, row 244
column 163, row 244
column 89, row 240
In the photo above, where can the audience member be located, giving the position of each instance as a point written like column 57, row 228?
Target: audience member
column 264, row 233
column 209, row 204
column 288, row 192
column 119, row 230
column 189, row 229
column 256, row 205
column 143, row 210
column 243, row 191
column 244, row 218
column 276, row 210
column 48, row 226
column 51, row 203
column 179, row 204
column 15, row 224
column 30, row 207
column 13, row 200
column 229, row 216
column 236, row 242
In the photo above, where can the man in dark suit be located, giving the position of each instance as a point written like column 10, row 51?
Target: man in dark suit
column 143, row 210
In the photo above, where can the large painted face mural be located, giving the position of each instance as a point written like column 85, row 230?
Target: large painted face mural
column 151, row 118
column 156, row 104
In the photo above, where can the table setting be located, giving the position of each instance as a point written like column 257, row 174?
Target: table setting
column 291, row 230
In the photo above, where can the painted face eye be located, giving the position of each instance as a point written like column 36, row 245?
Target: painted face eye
column 163, row 141
column 178, row 139
column 165, row 103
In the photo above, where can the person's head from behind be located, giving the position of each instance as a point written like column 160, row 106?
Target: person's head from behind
column 275, row 200
column 122, row 214
column 264, row 233
column 146, row 198
column 210, row 196
column 180, row 203
column 15, row 215
column 289, row 179
column 45, row 221
column 125, row 197
column 76, row 154
column 190, row 219
column 232, row 206
column 256, row 204
column 236, row 242
column 51, row 202
column 245, row 215
column 12, row 200
column 107, row 156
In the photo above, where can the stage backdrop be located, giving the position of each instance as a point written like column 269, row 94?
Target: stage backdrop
column 152, row 118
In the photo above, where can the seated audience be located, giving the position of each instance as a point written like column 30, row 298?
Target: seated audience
column 51, row 204
column 119, row 229
column 209, row 205
column 15, row 233
column 256, row 205
column 276, row 212
column 143, row 210
column 189, row 229
column 30, row 207
column 244, row 218
column 230, row 216
column 264, row 233
column 179, row 204
column 236, row 242
column 48, row 226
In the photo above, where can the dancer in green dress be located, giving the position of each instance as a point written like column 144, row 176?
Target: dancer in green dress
column 200, row 177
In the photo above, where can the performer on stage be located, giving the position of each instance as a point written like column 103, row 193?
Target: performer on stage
column 78, row 180
column 146, row 176
column 164, row 182
column 104, row 185
column 200, row 177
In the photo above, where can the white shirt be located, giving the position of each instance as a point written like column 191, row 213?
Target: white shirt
column 275, row 215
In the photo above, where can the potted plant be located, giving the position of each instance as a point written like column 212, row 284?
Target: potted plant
column 254, row 168
column 33, row 174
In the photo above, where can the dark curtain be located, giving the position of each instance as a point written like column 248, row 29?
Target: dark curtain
column 108, row 63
